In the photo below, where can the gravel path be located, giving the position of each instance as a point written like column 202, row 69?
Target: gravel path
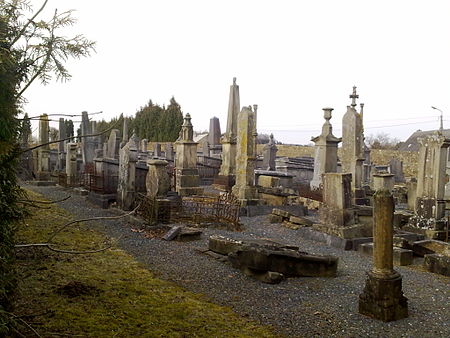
column 297, row 307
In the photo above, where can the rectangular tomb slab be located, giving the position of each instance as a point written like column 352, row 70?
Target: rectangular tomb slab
column 437, row 263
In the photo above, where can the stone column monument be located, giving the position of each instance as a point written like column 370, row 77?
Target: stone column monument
column 269, row 155
column 87, row 143
column 245, row 189
column 60, row 164
column 382, row 297
column 187, row 179
column 214, row 135
column 325, row 159
column 71, row 164
column 43, row 170
column 352, row 158
column 228, row 167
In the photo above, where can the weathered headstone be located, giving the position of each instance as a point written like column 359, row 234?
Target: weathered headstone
column 382, row 297
column 228, row 166
column 396, row 168
column 157, row 150
column 126, row 188
column 158, row 181
column 144, row 145
column 124, row 133
column 169, row 151
column 269, row 154
column 187, row 179
column 113, row 144
column 245, row 189
column 205, row 148
column 352, row 157
column 325, row 159
column 214, row 135
column 87, row 143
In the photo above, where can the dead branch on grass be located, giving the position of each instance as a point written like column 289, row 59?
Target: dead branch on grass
column 46, row 202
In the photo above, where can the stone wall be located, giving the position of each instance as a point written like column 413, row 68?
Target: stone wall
column 378, row 156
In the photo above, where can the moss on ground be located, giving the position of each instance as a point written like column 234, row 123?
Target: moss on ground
column 108, row 293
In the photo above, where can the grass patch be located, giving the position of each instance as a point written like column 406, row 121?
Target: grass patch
column 108, row 293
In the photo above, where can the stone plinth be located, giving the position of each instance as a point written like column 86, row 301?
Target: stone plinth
column 383, row 181
column 158, row 181
column 382, row 297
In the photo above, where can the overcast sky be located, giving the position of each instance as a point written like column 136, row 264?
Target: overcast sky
column 292, row 58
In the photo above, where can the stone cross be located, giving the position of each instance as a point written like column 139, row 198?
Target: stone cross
column 354, row 96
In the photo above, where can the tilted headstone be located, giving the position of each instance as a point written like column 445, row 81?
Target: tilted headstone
column 326, row 144
column 157, row 181
column 245, row 189
column 87, row 143
column 113, row 144
column 126, row 189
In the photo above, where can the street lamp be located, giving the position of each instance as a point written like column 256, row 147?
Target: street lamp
column 442, row 124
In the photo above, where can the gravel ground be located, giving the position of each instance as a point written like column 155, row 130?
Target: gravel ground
column 297, row 307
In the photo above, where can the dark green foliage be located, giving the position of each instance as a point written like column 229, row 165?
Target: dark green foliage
column 10, row 192
column 156, row 123
column 69, row 128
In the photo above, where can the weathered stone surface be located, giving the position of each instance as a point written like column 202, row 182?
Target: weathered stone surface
column 189, row 234
column 383, row 298
column 437, row 263
column 268, row 277
column 430, row 246
column 400, row 256
column 268, row 181
column 157, row 181
column 245, row 188
column 172, row 233
column 383, row 181
column 275, row 218
column 269, row 155
column 281, row 213
column 285, row 261
column 214, row 131
column 223, row 245
column 126, row 188
column 301, row 221
column 113, row 144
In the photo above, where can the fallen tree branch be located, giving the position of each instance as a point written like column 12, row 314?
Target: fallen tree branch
column 69, row 115
column 31, row 204
column 90, row 219
column 24, row 322
column 46, row 202
column 50, row 247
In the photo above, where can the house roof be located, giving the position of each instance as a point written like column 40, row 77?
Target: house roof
column 411, row 144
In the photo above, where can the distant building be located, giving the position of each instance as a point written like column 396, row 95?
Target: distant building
column 411, row 143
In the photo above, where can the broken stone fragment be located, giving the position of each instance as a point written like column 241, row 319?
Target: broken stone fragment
column 281, row 213
column 275, row 218
column 301, row 221
column 282, row 260
column 437, row 263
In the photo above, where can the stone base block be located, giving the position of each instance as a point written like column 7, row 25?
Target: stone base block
column 401, row 256
column 437, row 263
column 383, row 298
column 301, row 221
column 440, row 235
column 190, row 191
column 429, row 246
column 337, row 217
column 275, row 218
column 347, row 232
column 102, row 200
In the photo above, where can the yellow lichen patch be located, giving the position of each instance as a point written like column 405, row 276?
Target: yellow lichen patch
column 108, row 293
